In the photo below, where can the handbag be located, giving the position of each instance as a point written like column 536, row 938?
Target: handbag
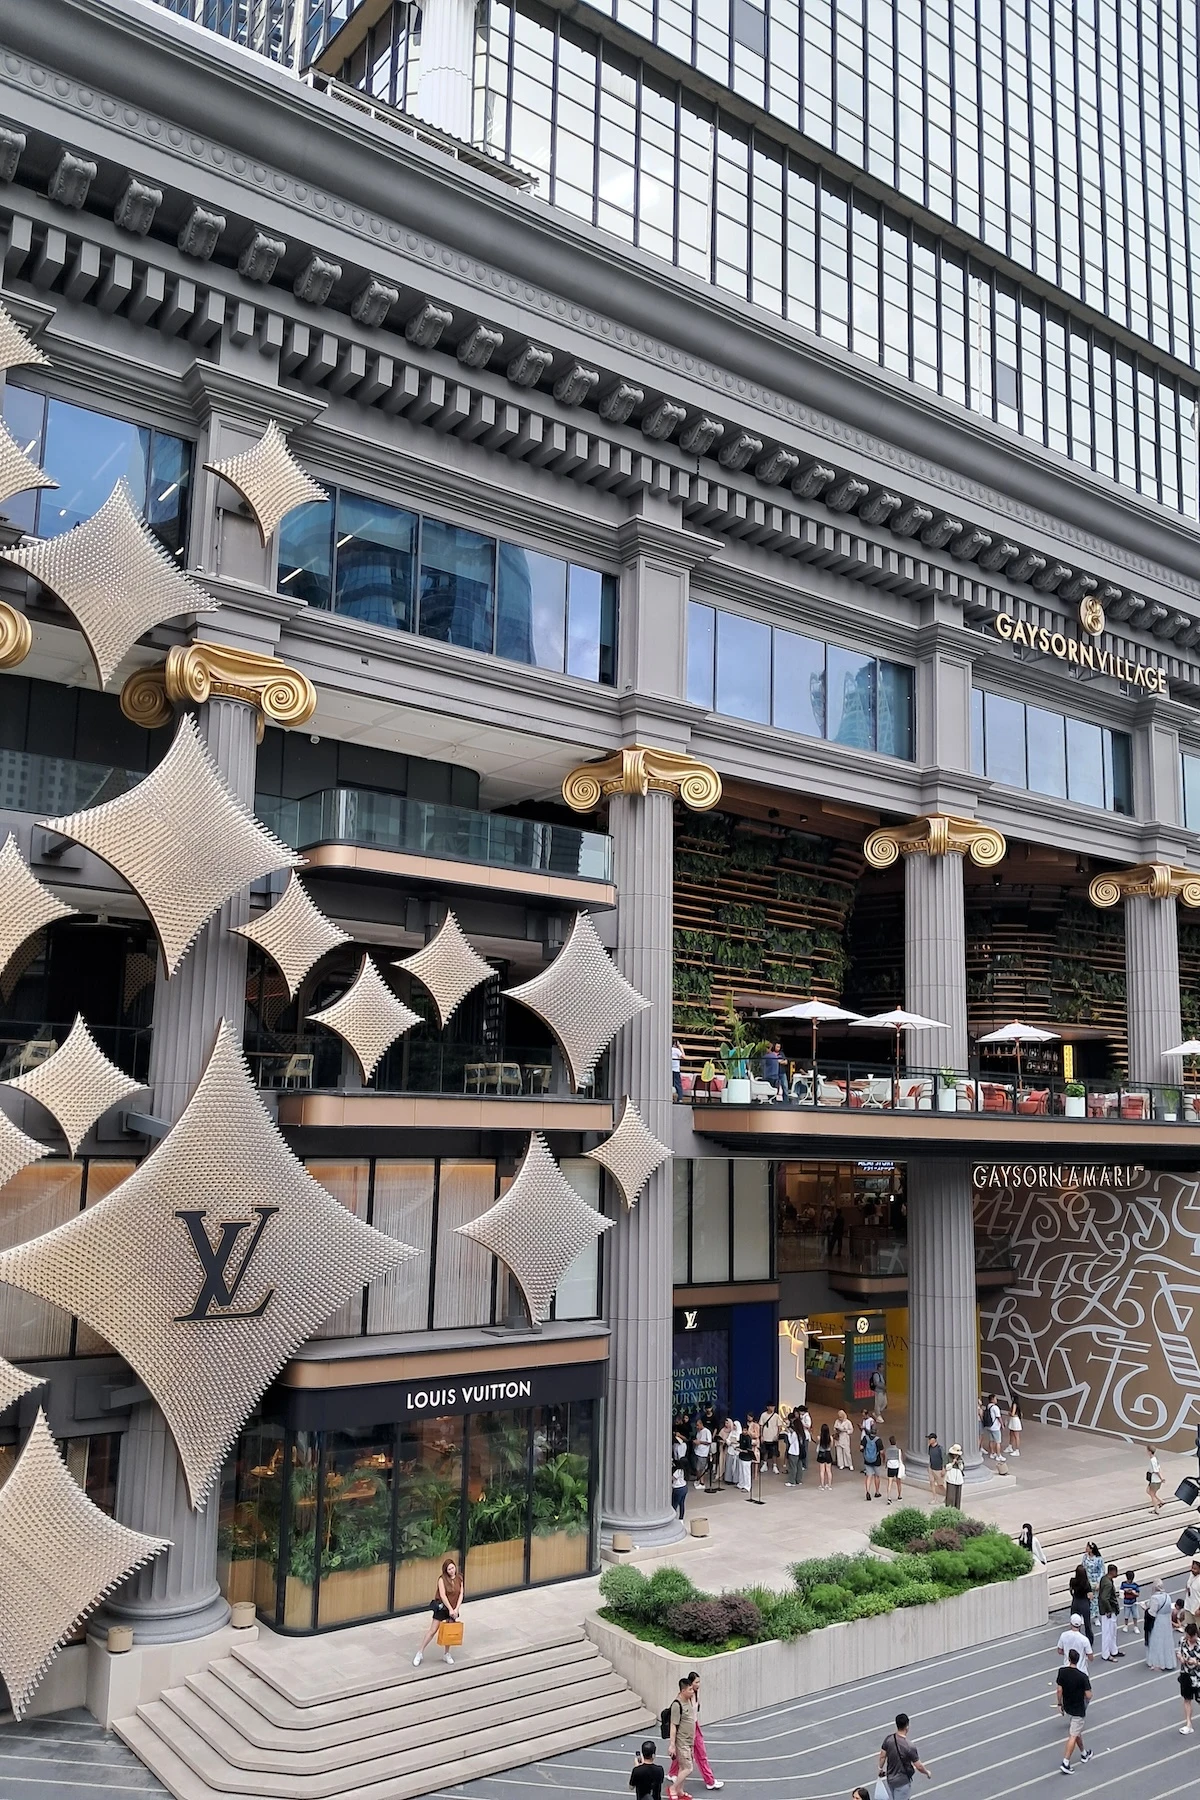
column 882, row 1790
column 450, row 1631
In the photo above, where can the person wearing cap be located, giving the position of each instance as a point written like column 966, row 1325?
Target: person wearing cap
column 1073, row 1639
column 937, row 1463
column 955, row 1476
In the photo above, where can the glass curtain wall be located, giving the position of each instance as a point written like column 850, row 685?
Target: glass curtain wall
column 392, row 567
column 1050, row 753
column 324, row 1528
column 751, row 670
column 722, row 1221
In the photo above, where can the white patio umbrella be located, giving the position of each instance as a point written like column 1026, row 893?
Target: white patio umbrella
column 817, row 1012
column 1018, row 1034
column 1190, row 1047
column 898, row 1020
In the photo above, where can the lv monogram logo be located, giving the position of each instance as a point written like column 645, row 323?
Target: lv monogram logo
column 689, row 1321
column 219, row 1289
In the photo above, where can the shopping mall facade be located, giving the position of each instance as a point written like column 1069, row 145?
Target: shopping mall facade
column 802, row 671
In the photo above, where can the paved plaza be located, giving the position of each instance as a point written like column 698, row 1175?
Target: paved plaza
column 983, row 1719
column 67, row 1756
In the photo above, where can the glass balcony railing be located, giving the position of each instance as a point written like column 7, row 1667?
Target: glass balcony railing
column 58, row 784
column 416, row 1064
column 427, row 828
column 872, row 1252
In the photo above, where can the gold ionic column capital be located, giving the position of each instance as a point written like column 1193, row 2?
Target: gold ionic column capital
column 193, row 673
column 936, row 834
column 16, row 636
column 1150, row 881
column 641, row 769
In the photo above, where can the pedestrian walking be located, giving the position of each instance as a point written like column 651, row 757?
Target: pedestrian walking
column 646, row 1779
column 795, row 1467
column 699, row 1752
column 447, row 1605
column 1108, row 1605
column 1130, row 1589
column 1074, row 1692
column 899, row 1758
column 1153, row 1481
column 955, row 1476
column 1189, row 1673
column 682, row 1723
column 679, row 1488
column 702, row 1450
column 1191, row 1595
column 1160, row 1640
column 937, row 1463
column 825, row 1457
column 843, row 1431
column 1015, row 1426
column 894, row 1466
column 1028, row 1542
column 1073, row 1639
column 770, row 1426
column 872, row 1455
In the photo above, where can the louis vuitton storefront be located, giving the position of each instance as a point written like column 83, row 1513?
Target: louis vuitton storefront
column 341, row 1502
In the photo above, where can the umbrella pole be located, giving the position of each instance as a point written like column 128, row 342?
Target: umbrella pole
column 897, row 1056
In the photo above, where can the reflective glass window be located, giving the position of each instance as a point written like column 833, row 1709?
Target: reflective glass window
column 1118, row 772
column 743, row 687
column 751, row 1220
column 799, row 684
column 531, row 607
column 1004, row 728
column 458, row 575
column 375, row 546
column 1191, row 792
column 87, row 453
column 306, row 553
column 1085, row 762
column 702, row 628
column 895, row 717
column 977, row 759
column 710, row 1220
column 1046, row 748
column 851, row 702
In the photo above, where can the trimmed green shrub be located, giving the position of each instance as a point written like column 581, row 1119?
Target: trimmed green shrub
column 817, row 1569
column 828, row 1599
column 910, row 1568
column 668, row 1588
column 624, row 1589
column 949, row 1567
column 916, row 1593
column 869, row 1606
column 863, row 1576
column 791, row 1618
column 894, row 1531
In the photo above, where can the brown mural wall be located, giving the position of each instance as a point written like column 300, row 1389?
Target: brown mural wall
column 1101, row 1327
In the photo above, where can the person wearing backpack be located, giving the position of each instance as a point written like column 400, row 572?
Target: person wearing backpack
column 678, row 1723
column 699, row 1752
column 872, row 1455
column 898, row 1758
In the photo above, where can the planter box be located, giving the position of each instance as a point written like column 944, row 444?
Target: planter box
column 1073, row 1105
column 742, row 1681
column 736, row 1091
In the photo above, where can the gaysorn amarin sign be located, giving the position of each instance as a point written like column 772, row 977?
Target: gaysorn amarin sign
column 1056, row 1177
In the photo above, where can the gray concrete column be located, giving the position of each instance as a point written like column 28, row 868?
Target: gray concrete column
column 943, row 1362
column 176, row 1597
column 935, row 957
column 1152, row 989
column 636, row 1490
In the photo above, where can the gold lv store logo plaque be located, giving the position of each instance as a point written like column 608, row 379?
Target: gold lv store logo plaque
column 221, row 1278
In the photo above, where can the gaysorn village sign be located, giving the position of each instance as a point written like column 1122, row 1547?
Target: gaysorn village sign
column 1056, row 1178
column 1078, row 651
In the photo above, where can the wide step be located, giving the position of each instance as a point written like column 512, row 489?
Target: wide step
column 233, row 1733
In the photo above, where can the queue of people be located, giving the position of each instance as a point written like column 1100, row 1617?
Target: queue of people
column 711, row 1449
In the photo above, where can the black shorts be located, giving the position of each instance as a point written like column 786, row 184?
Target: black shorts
column 770, row 1450
column 1187, row 1689
column 441, row 1611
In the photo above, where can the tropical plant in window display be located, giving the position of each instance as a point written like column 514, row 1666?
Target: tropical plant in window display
column 560, row 1495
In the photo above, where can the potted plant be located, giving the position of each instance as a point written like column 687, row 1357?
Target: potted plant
column 1169, row 1102
column 736, row 1053
column 947, row 1090
column 1074, row 1097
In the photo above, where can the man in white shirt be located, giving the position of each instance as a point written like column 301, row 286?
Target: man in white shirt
column 701, row 1451
column 770, row 1425
column 1191, row 1595
column 1073, row 1639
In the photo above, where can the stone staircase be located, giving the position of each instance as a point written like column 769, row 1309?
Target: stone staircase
column 1134, row 1538
column 247, row 1726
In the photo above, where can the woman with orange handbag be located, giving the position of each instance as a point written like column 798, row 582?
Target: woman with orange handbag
column 446, row 1606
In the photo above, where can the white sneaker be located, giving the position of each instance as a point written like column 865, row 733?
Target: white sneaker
column 448, row 1658
column 418, row 1659
column 1185, row 1731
